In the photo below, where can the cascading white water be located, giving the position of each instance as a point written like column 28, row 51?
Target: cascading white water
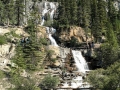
column 45, row 10
column 51, row 14
column 53, row 42
column 82, row 68
column 50, row 32
column 53, row 8
column 80, row 61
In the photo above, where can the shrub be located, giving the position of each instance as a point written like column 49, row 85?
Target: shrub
column 43, row 41
column 49, row 82
column 14, row 34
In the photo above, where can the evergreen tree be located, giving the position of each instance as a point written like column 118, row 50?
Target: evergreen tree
column 49, row 82
column 73, row 12
column 86, row 7
column 62, row 17
column 1, row 12
column 10, row 12
column 105, row 79
column 79, row 13
column 19, row 57
column 102, row 15
column 112, row 13
column 95, row 24
column 19, row 5
column 111, row 36
column 67, row 12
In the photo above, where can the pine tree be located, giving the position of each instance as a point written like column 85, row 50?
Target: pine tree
column 67, row 11
column 19, row 5
column 111, row 36
column 86, row 15
column 61, row 17
column 73, row 12
column 95, row 24
column 79, row 13
column 31, row 49
column 10, row 12
column 112, row 13
column 102, row 15
column 1, row 12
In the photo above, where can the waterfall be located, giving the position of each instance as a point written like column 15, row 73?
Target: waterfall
column 82, row 66
column 45, row 10
column 77, row 80
column 80, row 61
column 53, row 8
column 53, row 42
column 51, row 31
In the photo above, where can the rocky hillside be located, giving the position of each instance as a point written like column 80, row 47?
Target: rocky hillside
column 12, row 38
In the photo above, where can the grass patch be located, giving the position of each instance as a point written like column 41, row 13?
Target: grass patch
column 14, row 34
column 2, row 75
column 3, row 40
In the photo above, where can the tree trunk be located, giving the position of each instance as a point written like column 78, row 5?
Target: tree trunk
column 18, row 16
column 8, row 22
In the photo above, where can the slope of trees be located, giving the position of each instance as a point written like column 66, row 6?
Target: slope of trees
column 105, row 79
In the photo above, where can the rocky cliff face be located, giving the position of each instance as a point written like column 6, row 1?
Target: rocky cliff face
column 7, row 51
column 29, row 5
column 74, row 31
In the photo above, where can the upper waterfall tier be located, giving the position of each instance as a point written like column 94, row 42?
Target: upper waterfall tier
column 49, row 8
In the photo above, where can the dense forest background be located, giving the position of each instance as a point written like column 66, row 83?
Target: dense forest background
column 97, row 18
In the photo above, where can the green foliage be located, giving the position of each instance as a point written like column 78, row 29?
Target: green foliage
column 28, row 84
column 67, row 13
column 73, row 42
column 48, row 23
column 108, row 54
column 105, row 79
column 111, row 37
column 2, row 75
column 2, row 12
column 19, row 57
column 14, row 34
column 28, row 55
column 3, row 40
column 96, row 78
column 20, row 82
column 14, row 76
column 19, row 5
column 43, row 41
column 49, row 57
column 49, row 82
